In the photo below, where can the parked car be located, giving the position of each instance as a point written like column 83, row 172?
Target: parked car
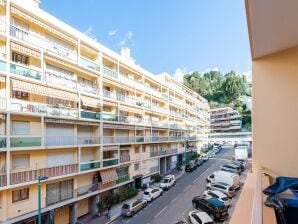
column 233, row 166
column 225, row 177
column 218, row 195
column 205, row 158
column 223, row 187
column 198, row 217
column 130, row 209
column 191, row 166
column 238, row 164
column 243, row 161
column 212, row 206
column 167, row 182
column 229, row 170
column 152, row 193
column 198, row 162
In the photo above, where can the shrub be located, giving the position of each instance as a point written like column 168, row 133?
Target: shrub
column 156, row 178
column 101, row 206
column 116, row 198
column 131, row 192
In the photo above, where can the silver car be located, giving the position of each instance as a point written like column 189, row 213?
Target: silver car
column 130, row 209
column 223, row 187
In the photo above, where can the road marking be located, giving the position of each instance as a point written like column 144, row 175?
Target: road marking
column 205, row 171
column 175, row 198
column 196, row 179
column 158, row 214
column 185, row 189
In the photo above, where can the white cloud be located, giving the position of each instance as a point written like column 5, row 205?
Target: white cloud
column 248, row 75
column 211, row 69
column 113, row 32
column 127, row 40
column 179, row 73
column 89, row 32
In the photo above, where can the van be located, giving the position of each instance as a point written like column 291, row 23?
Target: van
column 225, row 177
column 167, row 182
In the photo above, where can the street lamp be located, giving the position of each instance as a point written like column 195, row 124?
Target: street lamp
column 39, row 196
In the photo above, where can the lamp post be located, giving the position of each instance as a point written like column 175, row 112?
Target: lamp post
column 39, row 196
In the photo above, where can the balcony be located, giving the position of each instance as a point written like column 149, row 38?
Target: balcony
column 124, row 158
column 51, row 46
column 110, row 162
column 61, row 140
column 2, row 66
column 139, row 139
column 88, row 140
column 90, row 115
column 130, row 81
column 43, row 109
column 25, row 141
column 32, row 175
column 109, row 94
column 3, row 180
column 163, row 152
column 122, row 179
column 3, row 142
column 2, row 26
column 89, row 64
column 24, row 71
column 110, row 72
column 89, row 165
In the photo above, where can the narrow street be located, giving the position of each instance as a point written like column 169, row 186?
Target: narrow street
column 175, row 204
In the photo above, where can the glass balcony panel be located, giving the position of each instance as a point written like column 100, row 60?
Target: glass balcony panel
column 90, row 115
column 89, row 166
column 60, row 140
column 89, row 64
column 25, row 141
column 110, row 162
column 25, row 72
column 88, row 140
column 110, row 72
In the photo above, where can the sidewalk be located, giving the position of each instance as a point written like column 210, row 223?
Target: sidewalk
column 116, row 209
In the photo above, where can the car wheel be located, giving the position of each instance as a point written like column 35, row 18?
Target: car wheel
column 132, row 214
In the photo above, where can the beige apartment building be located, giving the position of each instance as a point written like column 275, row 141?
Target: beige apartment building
column 273, row 33
column 86, row 117
column 225, row 119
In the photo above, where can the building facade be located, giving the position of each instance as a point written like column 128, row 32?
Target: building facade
column 225, row 119
column 89, row 119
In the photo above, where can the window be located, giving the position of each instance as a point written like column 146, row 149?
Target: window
column 143, row 165
column 21, row 194
column 59, row 191
column 144, row 150
column 19, row 58
column 21, row 161
column 137, row 166
column 20, row 128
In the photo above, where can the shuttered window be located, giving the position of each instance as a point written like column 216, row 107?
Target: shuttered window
column 20, row 128
column 20, row 161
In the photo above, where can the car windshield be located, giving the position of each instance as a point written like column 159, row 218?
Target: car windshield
column 165, row 180
column 125, row 206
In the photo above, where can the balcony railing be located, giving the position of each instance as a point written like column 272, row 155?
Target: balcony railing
column 89, row 64
column 89, row 165
column 50, row 46
column 110, row 72
column 88, row 140
column 61, row 140
column 25, row 141
column 2, row 66
column 90, row 115
column 3, row 142
column 3, row 180
column 2, row 26
column 122, row 179
column 110, row 162
column 25, row 71
column 124, row 158
column 32, row 175
column 140, row 139
column 163, row 152
column 62, row 112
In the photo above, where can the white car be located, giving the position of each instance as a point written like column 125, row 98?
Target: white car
column 218, row 195
column 198, row 217
column 223, row 187
column 167, row 182
column 151, row 194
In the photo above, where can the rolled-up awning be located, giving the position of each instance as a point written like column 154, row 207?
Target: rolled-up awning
column 130, row 109
column 18, row 85
column 108, row 103
column 24, row 50
column 108, row 175
column 90, row 102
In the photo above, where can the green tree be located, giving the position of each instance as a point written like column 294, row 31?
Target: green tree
column 234, row 86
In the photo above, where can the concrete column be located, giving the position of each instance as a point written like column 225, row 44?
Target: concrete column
column 73, row 213
column 51, row 216
column 165, row 158
column 94, row 201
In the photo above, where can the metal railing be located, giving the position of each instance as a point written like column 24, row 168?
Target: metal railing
column 138, row 139
column 124, row 158
column 87, row 63
column 88, row 140
column 163, row 152
column 110, row 72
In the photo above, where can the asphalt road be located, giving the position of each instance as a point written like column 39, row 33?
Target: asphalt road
column 175, row 204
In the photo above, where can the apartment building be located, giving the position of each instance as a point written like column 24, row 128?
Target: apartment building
column 273, row 34
column 82, row 115
column 225, row 119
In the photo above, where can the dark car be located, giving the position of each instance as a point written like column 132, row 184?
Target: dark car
column 239, row 164
column 198, row 162
column 215, row 208
column 191, row 166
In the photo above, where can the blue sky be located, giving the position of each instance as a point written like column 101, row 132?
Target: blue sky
column 171, row 36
